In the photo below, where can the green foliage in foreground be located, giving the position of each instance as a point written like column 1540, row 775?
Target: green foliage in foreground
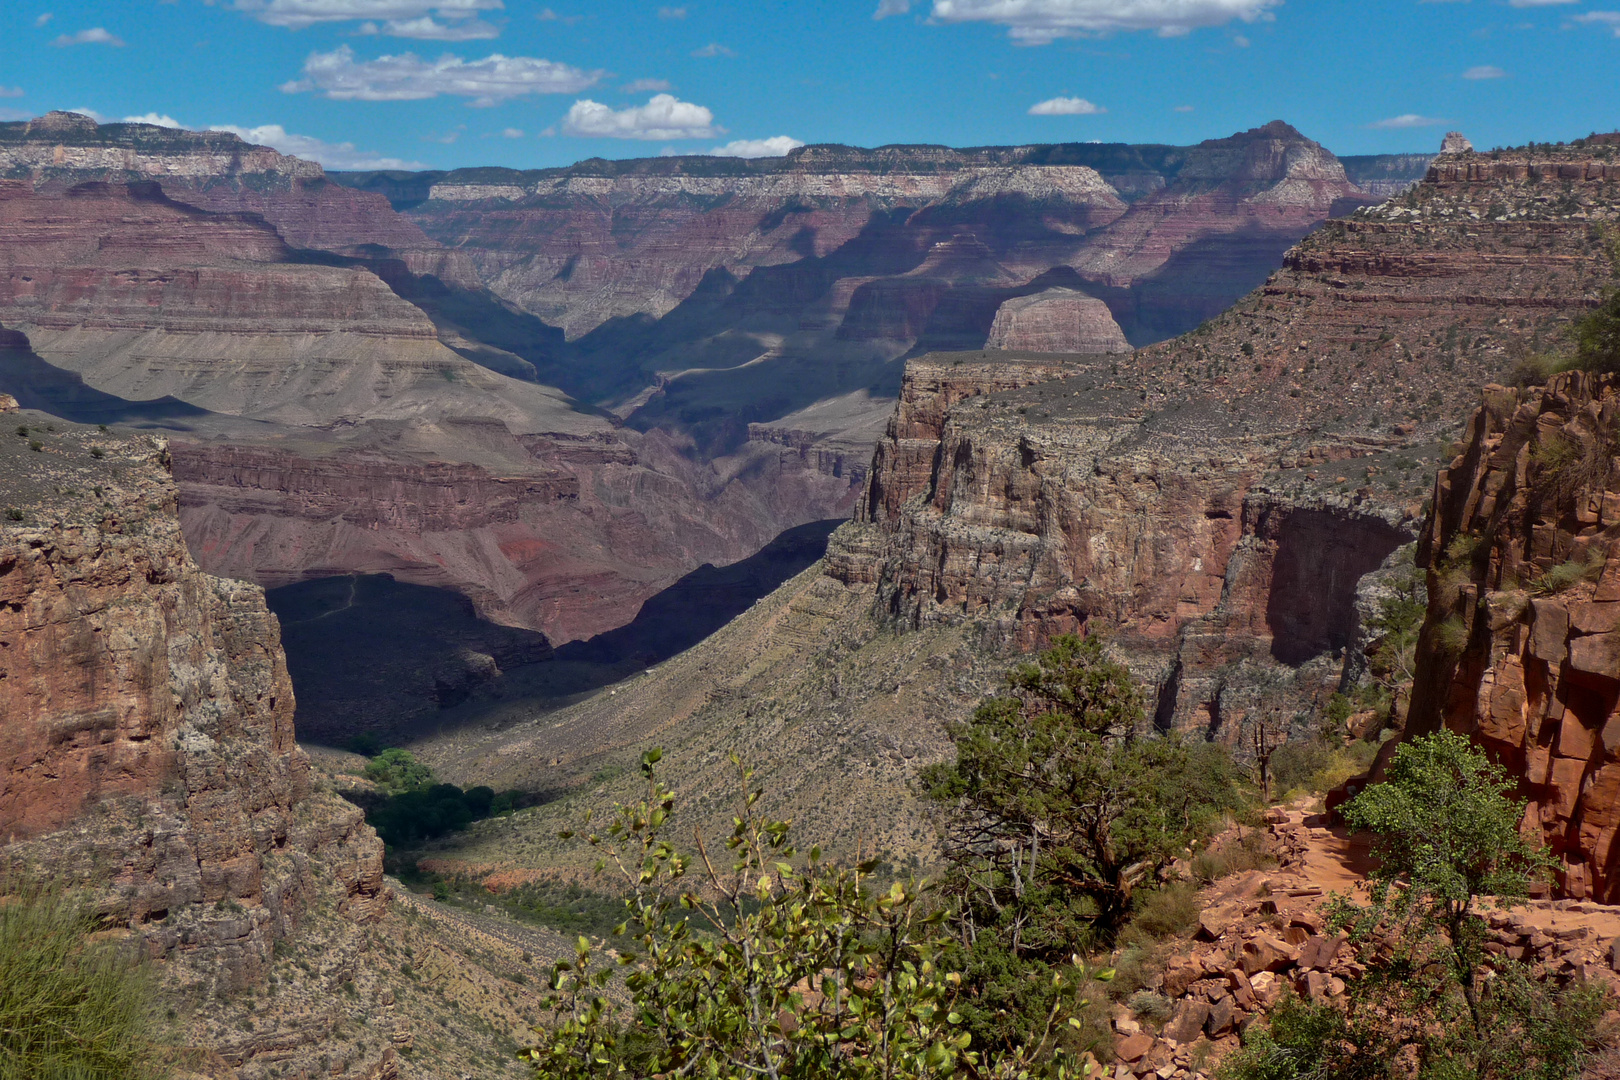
column 1060, row 812
column 802, row 970
column 1433, row 1002
column 70, row 1008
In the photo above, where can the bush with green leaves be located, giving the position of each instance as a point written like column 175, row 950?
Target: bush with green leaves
column 1597, row 337
column 1446, row 835
column 1060, row 808
column 71, row 1007
column 788, row 966
column 417, row 809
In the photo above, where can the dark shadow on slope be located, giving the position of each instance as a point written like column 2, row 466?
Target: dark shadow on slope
column 369, row 654
column 38, row 384
column 703, row 601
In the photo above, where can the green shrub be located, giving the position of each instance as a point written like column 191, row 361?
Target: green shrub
column 1597, row 337
column 1168, row 912
column 71, row 1008
column 1567, row 575
column 1149, row 1005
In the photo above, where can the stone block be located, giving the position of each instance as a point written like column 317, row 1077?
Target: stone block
column 1596, row 654
column 1550, row 631
column 1575, row 739
column 1221, row 1018
column 1188, row 1022
column 1133, row 1047
column 1566, row 783
column 1213, row 922
column 1595, row 618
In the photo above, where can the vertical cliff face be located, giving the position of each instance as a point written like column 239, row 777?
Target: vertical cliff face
column 1521, row 647
column 1219, row 504
column 147, row 745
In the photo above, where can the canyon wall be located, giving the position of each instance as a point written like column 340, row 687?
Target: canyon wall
column 1521, row 647
column 148, row 733
column 1220, row 504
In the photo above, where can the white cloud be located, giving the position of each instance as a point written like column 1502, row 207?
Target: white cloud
column 886, row 8
column 547, row 15
column 672, row 13
column 1065, row 106
column 775, row 146
column 1408, row 120
column 1484, row 71
column 1537, row 3
column 1610, row 19
column 11, row 91
column 713, row 48
column 646, row 86
column 8, row 115
column 663, row 117
column 1183, row 108
column 41, row 20
column 1240, row 41
column 93, row 36
column 512, row 133
column 297, row 14
column 85, row 110
column 427, row 29
column 332, row 155
column 1038, row 22
column 159, row 119
column 407, row 77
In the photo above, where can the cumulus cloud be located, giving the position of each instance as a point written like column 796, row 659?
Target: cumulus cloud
column 663, row 117
column 775, row 146
column 1183, row 108
column 886, row 8
column 407, row 77
column 1065, row 106
column 646, row 86
column 41, row 20
column 341, row 155
column 547, row 15
column 1537, row 3
column 672, row 13
column 1407, row 120
column 713, row 48
column 93, row 36
column 1611, row 19
column 512, row 133
column 297, row 14
column 1038, row 22
column 11, row 91
column 1484, row 71
column 427, row 28
column 158, row 119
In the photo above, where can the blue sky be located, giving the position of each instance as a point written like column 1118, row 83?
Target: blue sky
column 359, row 83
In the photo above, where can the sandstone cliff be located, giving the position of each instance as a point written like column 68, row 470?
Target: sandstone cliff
column 1522, row 645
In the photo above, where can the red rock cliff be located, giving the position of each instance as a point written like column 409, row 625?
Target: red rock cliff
column 146, row 746
column 1521, row 648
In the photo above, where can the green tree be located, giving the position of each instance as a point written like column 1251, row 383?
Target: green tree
column 395, row 771
column 760, row 963
column 1446, row 835
column 71, row 1008
column 1060, row 809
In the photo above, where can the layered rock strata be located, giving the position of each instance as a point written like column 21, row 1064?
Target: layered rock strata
column 1056, row 321
column 212, row 170
column 1218, row 502
column 148, row 737
column 1521, row 647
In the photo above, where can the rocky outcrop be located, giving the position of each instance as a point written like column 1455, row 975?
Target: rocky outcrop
column 1056, row 321
column 1522, row 642
column 1217, row 502
column 148, row 744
